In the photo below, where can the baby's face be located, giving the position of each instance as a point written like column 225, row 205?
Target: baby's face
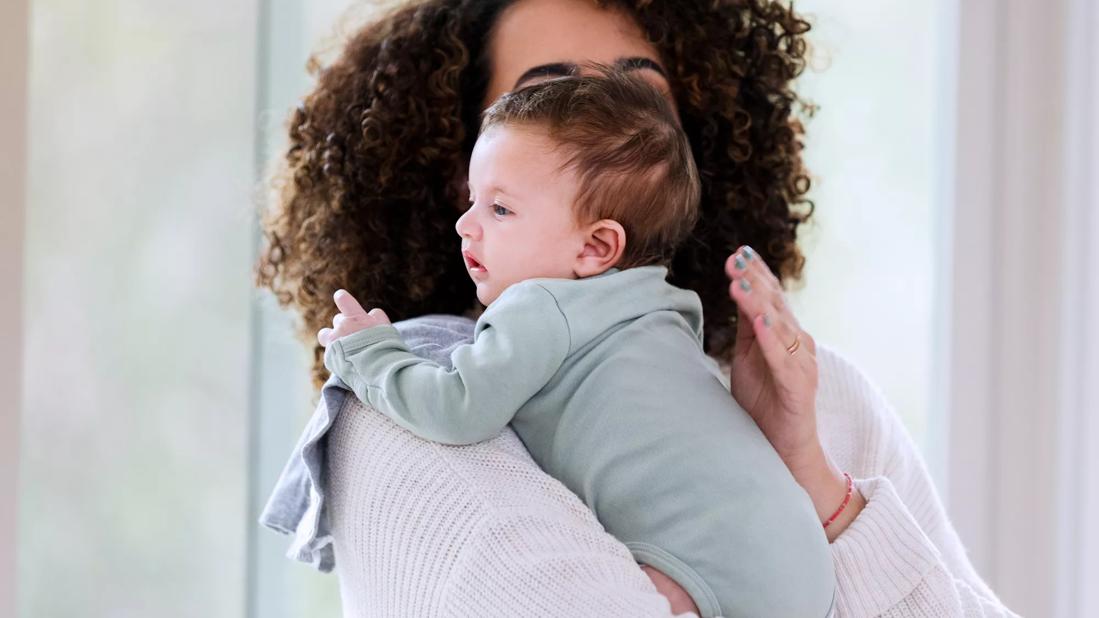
column 520, row 224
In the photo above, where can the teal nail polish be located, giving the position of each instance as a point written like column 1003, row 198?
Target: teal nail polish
column 739, row 263
column 744, row 285
column 767, row 320
column 749, row 254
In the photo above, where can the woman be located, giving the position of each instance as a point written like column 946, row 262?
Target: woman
column 371, row 186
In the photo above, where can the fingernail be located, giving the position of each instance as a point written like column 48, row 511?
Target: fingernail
column 744, row 285
column 767, row 320
column 739, row 263
column 749, row 254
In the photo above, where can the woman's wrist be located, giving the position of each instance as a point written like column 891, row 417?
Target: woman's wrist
column 827, row 488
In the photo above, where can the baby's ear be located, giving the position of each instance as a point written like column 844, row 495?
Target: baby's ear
column 604, row 244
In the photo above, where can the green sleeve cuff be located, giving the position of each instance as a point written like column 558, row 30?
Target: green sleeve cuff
column 357, row 341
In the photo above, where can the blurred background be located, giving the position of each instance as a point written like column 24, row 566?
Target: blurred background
column 150, row 395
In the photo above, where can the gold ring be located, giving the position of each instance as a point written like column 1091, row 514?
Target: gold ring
column 793, row 348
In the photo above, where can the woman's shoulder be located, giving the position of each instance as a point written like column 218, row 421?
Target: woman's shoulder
column 496, row 477
column 499, row 520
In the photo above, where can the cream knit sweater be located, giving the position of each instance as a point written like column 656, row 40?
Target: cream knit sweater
column 425, row 529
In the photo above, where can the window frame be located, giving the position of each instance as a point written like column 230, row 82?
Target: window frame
column 14, row 59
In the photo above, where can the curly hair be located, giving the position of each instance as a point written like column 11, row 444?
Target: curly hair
column 369, row 187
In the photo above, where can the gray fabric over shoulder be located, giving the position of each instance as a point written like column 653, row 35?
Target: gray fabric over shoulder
column 296, row 504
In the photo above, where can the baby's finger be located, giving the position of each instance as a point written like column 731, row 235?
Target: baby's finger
column 347, row 303
column 379, row 316
column 324, row 336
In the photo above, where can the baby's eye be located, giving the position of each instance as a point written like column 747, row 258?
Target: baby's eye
column 500, row 210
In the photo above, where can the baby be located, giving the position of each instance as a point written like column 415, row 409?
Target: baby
column 580, row 190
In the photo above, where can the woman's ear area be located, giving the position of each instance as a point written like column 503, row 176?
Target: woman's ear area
column 604, row 243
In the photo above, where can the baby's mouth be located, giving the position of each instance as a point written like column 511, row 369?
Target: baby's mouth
column 472, row 264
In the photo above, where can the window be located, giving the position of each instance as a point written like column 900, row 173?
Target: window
column 138, row 241
column 877, row 151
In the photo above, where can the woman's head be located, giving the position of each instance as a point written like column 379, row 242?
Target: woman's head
column 533, row 40
column 374, row 176
column 573, row 176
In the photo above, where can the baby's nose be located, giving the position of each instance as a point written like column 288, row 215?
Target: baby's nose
column 465, row 226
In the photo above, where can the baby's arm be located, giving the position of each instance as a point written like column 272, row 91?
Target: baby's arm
column 520, row 342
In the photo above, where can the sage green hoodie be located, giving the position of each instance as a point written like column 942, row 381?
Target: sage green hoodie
column 606, row 382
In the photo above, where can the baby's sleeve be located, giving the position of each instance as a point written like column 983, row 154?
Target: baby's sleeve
column 519, row 344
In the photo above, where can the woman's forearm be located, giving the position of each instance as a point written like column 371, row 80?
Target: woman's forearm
column 827, row 487
column 774, row 377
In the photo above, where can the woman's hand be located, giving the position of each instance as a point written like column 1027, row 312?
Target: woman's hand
column 351, row 319
column 774, row 365
column 774, row 377
column 680, row 601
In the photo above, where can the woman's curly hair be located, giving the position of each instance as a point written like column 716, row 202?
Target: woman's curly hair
column 370, row 186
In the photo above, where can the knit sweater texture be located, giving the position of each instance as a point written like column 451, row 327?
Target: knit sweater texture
column 605, row 381
column 424, row 529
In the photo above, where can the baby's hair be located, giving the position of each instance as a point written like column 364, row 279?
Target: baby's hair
column 622, row 139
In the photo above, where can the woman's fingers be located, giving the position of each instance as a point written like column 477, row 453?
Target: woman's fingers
column 779, row 382
column 735, row 267
column 761, row 300
column 769, row 343
column 324, row 337
column 753, row 294
column 744, row 334
column 766, row 328
column 746, row 266
column 756, row 265
column 783, row 346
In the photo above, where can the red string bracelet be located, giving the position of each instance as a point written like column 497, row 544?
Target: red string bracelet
column 846, row 499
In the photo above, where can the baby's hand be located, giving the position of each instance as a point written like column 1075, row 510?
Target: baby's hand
column 351, row 319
